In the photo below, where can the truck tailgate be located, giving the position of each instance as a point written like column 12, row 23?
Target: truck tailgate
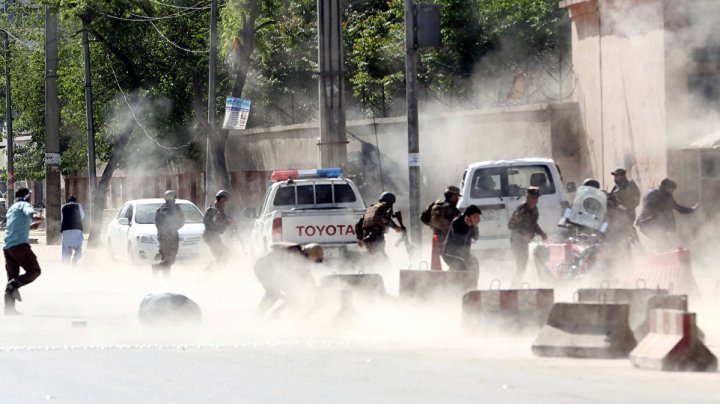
column 320, row 226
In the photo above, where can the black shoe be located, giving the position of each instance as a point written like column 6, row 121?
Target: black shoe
column 10, row 305
column 13, row 289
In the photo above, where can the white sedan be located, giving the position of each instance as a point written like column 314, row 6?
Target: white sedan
column 132, row 233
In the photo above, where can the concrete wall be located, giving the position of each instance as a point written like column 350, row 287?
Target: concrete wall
column 448, row 143
column 619, row 55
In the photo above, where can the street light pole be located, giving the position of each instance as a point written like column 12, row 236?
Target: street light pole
column 209, row 172
column 412, row 121
column 92, row 180
column 10, row 197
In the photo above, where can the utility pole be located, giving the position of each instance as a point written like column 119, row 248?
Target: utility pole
column 52, row 131
column 333, row 140
column 92, row 180
column 210, row 179
column 412, row 121
column 10, row 198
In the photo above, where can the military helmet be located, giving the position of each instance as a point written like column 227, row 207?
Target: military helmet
column 222, row 194
column 170, row 195
column 387, row 197
column 452, row 190
column 314, row 252
column 589, row 182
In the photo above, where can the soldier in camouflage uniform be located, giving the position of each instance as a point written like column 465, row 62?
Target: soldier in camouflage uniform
column 440, row 214
column 169, row 218
column 371, row 228
column 216, row 222
column 524, row 227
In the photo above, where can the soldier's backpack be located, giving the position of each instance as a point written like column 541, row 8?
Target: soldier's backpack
column 373, row 219
column 437, row 216
column 427, row 215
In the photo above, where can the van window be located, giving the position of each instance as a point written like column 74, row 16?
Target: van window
column 344, row 193
column 496, row 182
column 285, row 196
column 520, row 178
column 487, row 183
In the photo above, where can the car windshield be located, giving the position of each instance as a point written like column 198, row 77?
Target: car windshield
column 510, row 181
column 146, row 213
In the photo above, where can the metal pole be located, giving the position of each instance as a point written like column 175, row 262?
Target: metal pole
column 209, row 173
column 412, row 121
column 10, row 198
column 52, row 131
column 92, row 180
column 333, row 139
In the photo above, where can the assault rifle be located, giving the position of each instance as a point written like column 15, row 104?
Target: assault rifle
column 405, row 238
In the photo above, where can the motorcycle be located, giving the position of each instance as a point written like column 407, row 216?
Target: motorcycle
column 579, row 248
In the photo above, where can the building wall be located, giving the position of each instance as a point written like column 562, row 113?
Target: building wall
column 448, row 143
column 619, row 55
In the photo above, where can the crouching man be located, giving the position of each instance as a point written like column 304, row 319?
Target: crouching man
column 286, row 274
column 462, row 233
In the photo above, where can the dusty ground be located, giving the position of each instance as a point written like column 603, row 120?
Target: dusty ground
column 79, row 341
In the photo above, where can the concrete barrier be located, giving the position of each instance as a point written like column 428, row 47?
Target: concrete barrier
column 515, row 308
column 168, row 309
column 673, row 344
column 586, row 330
column 669, row 302
column 428, row 284
column 671, row 271
column 636, row 298
column 371, row 284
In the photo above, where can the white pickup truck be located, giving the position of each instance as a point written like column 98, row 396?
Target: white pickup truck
column 309, row 206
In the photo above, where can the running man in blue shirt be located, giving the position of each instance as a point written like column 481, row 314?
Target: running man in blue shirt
column 21, row 218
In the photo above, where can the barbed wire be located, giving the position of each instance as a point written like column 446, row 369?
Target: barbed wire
column 175, row 44
column 132, row 111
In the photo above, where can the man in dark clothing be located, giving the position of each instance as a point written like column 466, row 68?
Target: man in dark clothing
column 657, row 220
column 21, row 218
column 623, row 201
column 523, row 225
column 371, row 228
column 286, row 275
column 216, row 222
column 461, row 234
column 169, row 218
column 71, row 226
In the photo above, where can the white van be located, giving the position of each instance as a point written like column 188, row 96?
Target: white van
column 498, row 187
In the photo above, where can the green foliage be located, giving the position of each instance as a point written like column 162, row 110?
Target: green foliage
column 156, row 53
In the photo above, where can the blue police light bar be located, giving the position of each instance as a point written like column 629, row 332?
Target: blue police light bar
column 299, row 174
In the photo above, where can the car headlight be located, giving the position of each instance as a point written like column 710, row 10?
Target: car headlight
column 146, row 239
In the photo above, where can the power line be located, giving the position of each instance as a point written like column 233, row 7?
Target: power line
column 174, row 44
column 179, row 7
column 26, row 44
column 144, row 18
column 138, row 122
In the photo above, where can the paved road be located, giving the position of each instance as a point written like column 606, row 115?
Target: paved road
column 394, row 353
